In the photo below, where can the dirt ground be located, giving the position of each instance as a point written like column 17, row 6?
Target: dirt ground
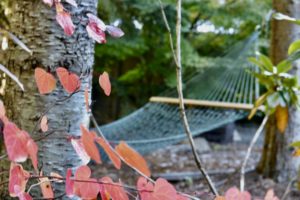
column 176, row 164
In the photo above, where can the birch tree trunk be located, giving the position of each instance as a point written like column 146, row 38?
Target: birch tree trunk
column 34, row 22
column 277, row 159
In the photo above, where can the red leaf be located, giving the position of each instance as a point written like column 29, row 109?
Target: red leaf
column 69, row 184
column 111, row 154
column 88, row 141
column 235, row 194
column 69, row 81
column 17, row 177
column 45, row 81
column 115, row 191
column 145, row 188
column 15, row 142
column 96, row 28
column 64, row 20
column 32, row 150
column 163, row 190
column 105, row 83
column 85, row 190
column 79, row 148
column 132, row 158
column 114, row 31
column 44, row 123
column 21, row 194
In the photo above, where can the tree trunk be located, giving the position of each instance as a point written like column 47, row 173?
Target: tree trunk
column 34, row 22
column 280, row 159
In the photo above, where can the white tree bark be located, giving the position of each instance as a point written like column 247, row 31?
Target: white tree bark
column 34, row 23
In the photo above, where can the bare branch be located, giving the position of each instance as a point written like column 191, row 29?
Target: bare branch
column 253, row 141
column 177, row 59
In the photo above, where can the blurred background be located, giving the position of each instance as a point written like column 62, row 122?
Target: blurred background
column 140, row 64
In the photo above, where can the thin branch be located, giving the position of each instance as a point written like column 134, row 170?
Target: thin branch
column 253, row 141
column 102, row 135
column 138, row 171
column 288, row 189
column 177, row 59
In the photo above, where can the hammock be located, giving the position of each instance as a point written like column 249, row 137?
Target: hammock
column 158, row 124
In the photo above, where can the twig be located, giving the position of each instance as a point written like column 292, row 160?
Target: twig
column 253, row 141
column 138, row 171
column 177, row 59
column 288, row 189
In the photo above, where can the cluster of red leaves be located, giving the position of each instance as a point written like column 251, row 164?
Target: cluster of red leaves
column 19, row 146
column 160, row 190
column 95, row 28
column 46, row 82
column 86, row 149
column 82, row 185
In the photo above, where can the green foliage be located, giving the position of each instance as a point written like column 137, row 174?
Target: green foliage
column 282, row 88
column 143, row 57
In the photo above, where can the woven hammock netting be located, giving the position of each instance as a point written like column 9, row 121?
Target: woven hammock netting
column 157, row 125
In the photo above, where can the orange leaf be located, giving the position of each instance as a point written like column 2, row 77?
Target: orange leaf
column 45, row 81
column 44, row 123
column 132, row 158
column 88, row 141
column 220, row 198
column 115, row 191
column 46, row 187
column 282, row 118
column 69, row 81
column 105, row 83
column 111, row 154
column 86, row 97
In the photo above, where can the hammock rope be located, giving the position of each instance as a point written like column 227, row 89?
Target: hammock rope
column 157, row 124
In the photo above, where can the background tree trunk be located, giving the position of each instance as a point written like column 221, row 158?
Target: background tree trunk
column 34, row 22
column 276, row 156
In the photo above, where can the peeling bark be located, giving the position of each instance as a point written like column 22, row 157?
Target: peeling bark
column 34, row 23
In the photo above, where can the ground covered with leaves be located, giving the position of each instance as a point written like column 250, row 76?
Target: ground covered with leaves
column 222, row 161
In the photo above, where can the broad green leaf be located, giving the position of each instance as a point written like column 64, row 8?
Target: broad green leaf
column 257, row 62
column 294, row 47
column 295, row 144
column 284, row 66
column 266, row 62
